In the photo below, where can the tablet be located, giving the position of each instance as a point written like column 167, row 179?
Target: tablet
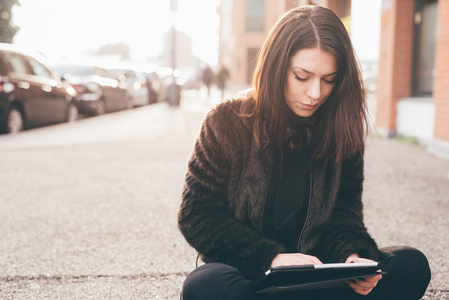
column 306, row 277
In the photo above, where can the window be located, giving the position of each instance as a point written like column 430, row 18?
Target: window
column 426, row 12
column 17, row 63
column 255, row 15
column 252, row 55
column 105, row 73
column 39, row 69
column 74, row 70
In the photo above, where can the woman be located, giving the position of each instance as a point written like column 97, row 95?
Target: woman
column 276, row 177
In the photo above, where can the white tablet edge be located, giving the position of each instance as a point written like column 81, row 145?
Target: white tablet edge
column 345, row 265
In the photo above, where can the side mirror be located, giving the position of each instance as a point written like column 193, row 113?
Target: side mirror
column 122, row 78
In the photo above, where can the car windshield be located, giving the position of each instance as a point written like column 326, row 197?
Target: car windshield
column 126, row 73
column 75, row 70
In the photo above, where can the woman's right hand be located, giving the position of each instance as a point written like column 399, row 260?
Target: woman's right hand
column 294, row 259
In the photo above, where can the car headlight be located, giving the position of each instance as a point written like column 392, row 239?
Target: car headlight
column 70, row 90
column 6, row 87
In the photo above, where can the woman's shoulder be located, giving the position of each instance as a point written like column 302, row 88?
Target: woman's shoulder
column 230, row 112
column 234, row 105
column 227, row 124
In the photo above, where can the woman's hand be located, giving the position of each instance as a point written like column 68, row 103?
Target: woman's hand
column 294, row 259
column 367, row 284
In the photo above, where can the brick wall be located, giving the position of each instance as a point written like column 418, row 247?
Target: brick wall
column 395, row 61
column 441, row 82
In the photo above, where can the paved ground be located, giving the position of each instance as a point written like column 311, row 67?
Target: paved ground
column 97, row 219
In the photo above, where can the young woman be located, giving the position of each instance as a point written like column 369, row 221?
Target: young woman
column 276, row 177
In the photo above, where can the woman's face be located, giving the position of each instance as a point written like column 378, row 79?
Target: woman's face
column 311, row 78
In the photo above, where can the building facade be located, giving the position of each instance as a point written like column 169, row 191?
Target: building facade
column 413, row 82
column 182, row 47
column 244, row 25
column 412, row 86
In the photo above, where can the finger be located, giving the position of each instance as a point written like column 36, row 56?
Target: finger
column 315, row 260
column 308, row 258
column 292, row 259
column 359, row 260
column 365, row 284
column 307, row 261
column 358, row 289
column 374, row 278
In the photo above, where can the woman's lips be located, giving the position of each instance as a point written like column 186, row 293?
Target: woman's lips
column 309, row 106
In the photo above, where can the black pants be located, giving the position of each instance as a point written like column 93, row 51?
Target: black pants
column 408, row 277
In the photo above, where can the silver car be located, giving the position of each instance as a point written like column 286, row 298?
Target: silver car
column 98, row 90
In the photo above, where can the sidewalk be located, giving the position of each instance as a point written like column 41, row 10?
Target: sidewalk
column 406, row 202
column 98, row 221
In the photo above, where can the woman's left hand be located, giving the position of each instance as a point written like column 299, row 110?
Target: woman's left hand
column 367, row 284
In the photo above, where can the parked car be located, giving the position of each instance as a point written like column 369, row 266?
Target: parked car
column 157, row 91
column 31, row 94
column 167, row 75
column 98, row 90
column 136, row 85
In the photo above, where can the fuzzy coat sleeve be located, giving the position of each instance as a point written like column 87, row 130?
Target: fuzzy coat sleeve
column 346, row 233
column 204, row 218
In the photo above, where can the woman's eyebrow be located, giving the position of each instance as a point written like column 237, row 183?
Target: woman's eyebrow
column 309, row 72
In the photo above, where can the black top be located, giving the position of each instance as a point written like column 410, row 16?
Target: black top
column 288, row 196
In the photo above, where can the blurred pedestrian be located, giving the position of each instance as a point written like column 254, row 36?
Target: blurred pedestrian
column 222, row 78
column 208, row 78
column 276, row 177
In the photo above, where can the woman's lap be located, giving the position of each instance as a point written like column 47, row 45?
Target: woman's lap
column 216, row 281
column 407, row 278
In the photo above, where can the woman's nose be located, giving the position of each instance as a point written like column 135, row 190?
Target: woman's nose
column 314, row 90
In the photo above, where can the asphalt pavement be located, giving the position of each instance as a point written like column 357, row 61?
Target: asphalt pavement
column 88, row 212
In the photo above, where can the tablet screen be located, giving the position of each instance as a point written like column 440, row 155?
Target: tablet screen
column 313, row 276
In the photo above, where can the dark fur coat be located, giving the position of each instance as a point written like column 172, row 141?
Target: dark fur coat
column 226, row 189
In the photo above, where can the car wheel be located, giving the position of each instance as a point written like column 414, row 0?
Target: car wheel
column 14, row 120
column 129, row 102
column 153, row 96
column 100, row 108
column 72, row 113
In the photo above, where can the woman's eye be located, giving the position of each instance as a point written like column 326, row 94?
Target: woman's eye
column 329, row 81
column 299, row 78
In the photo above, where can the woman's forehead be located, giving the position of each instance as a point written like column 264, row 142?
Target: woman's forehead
column 314, row 61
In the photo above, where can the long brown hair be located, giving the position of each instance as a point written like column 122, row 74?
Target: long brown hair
column 340, row 123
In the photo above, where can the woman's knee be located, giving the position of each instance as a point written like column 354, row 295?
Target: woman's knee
column 216, row 281
column 412, row 259
column 409, row 267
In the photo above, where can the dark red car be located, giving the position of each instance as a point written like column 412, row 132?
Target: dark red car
column 31, row 94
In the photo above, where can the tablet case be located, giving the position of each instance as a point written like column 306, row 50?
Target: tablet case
column 306, row 277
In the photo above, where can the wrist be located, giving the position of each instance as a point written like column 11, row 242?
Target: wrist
column 353, row 257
